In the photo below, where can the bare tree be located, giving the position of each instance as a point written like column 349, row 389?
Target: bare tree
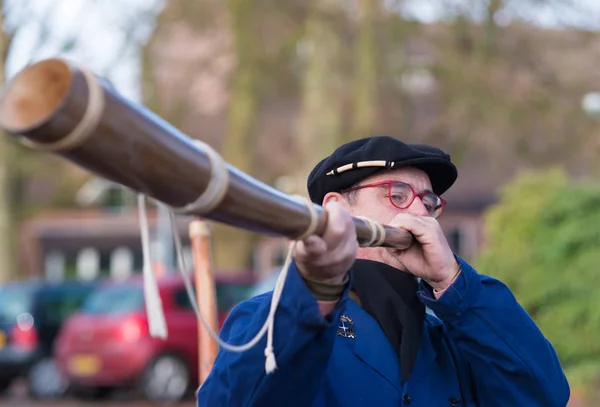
column 322, row 98
column 18, row 165
column 505, row 83
column 7, row 260
column 366, row 75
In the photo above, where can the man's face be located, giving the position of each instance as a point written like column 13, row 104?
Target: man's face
column 374, row 203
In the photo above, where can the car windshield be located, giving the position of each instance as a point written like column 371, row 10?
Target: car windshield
column 55, row 304
column 114, row 300
column 265, row 285
column 230, row 294
column 15, row 300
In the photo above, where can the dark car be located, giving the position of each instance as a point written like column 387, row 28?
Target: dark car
column 107, row 344
column 31, row 315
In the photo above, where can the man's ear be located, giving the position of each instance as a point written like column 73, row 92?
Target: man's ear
column 336, row 197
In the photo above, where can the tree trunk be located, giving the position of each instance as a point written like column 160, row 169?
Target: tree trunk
column 7, row 227
column 320, row 124
column 238, row 146
column 491, row 28
column 365, row 77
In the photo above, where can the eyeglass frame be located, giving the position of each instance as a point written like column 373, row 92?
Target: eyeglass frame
column 389, row 184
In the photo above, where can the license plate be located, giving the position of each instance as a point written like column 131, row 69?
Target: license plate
column 2, row 339
column 84, row 365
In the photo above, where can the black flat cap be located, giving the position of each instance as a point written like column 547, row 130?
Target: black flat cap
column 358, row 159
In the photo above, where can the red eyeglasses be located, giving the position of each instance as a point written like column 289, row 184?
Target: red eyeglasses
column 402, row 195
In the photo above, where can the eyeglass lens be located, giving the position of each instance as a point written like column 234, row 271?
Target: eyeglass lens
column 401, row 196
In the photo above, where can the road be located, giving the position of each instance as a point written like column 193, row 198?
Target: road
column 17, row 397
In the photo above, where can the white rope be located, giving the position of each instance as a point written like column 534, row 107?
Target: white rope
column 268, row 326
column 156, row 318
column 381, row 231
column 314, row 219
column 377, row 238
column 377, row 232
column 212, row 196
column 83, row 130
column 217, row 185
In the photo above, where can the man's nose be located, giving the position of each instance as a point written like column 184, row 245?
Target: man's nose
column 417, row 207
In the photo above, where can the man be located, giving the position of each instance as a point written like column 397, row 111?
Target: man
column 351, row 327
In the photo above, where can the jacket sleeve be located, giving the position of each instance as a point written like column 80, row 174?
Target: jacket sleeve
column 510, row 361
column 302, row 340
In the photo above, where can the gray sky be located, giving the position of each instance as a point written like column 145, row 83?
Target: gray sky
column 101, row 28
column 549, row 13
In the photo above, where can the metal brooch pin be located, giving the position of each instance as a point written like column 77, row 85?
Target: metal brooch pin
column 347, row 328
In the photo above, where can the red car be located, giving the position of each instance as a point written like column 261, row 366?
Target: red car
column 107, row 344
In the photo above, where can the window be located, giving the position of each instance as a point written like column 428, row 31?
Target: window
column 55, row 305
column 182, row 300
column 462, row 239
column 15, row 300
column 121, row 263
column 228, row 295
column 454, row 240
column 88, row 264
column 115, row 300
column 54, row 265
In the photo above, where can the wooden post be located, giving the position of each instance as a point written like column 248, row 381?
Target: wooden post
column 205, row 296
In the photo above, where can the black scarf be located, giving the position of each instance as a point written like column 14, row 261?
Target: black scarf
column 390, row 296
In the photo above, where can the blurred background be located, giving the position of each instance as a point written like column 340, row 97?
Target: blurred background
column 511, row 88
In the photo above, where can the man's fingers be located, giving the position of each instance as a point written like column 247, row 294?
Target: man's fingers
column 340, row 227
column 310, row 247
column 330, row 256
column 417, row 225
column 314, row 242
column 337, row 228
column 335, row 245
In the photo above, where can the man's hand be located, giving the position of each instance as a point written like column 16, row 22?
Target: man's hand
column 327, row 259
column 431, row 259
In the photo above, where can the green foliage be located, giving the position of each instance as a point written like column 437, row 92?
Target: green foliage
column 544, row 243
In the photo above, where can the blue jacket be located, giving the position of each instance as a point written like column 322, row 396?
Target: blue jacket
column 481, row 350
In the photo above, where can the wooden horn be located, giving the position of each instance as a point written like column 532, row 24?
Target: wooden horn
column 64, row 109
